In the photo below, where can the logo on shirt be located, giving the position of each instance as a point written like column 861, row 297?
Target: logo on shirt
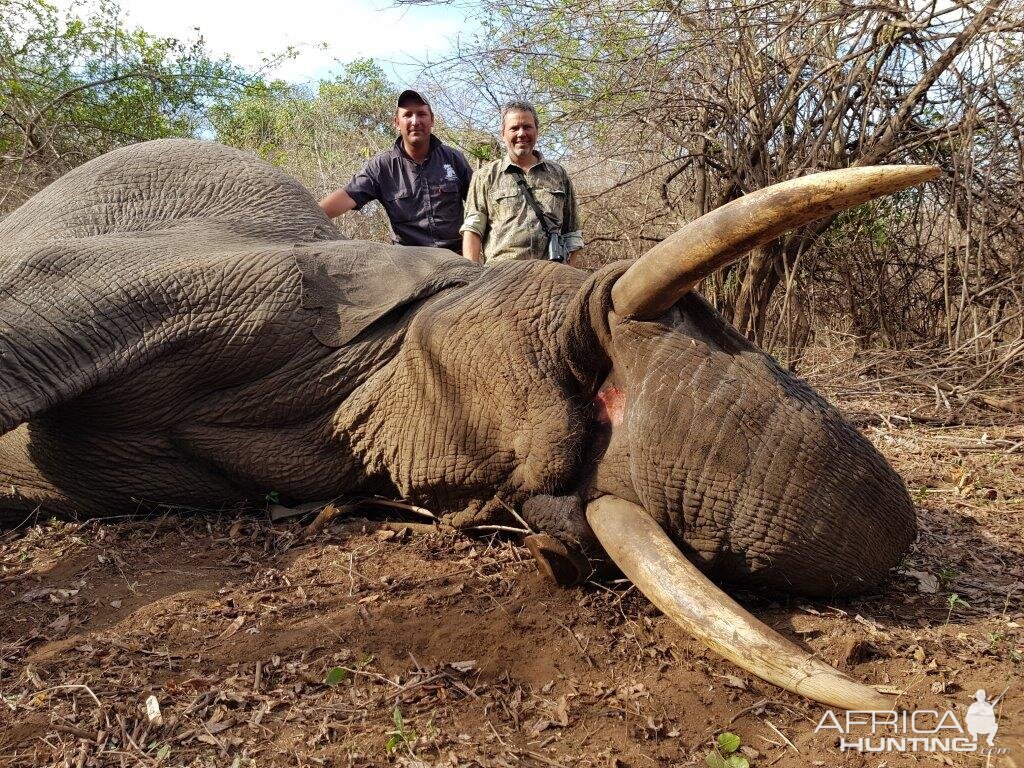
column 449, row 172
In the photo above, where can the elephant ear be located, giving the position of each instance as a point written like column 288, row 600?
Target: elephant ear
column 353, row 285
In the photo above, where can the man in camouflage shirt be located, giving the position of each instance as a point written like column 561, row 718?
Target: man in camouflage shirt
column 500, row 222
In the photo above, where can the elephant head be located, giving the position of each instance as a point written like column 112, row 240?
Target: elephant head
column 181, row 323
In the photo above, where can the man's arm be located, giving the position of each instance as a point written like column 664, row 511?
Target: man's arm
column 472, row 246
column 337, row 203
column 364, row 187
column 474, row 228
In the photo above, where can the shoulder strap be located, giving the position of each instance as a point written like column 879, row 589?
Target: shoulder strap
column 521, row 181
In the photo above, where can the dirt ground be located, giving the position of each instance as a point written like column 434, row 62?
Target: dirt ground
column 372, row 643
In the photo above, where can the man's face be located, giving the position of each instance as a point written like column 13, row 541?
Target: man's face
column 414, row 122
column 519, row 131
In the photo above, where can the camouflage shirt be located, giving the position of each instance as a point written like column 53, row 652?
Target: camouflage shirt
column 498, row 211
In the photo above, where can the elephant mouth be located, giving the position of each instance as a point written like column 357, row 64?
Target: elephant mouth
column 644, row 553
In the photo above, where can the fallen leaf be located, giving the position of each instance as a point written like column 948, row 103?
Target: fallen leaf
column 233, row 627
column 926, row 582
column 35, row 594
column 153, row 710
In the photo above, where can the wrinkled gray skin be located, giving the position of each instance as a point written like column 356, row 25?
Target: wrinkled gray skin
column 180, row 323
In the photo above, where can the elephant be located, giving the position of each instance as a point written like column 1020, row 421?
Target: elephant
column 181, row 323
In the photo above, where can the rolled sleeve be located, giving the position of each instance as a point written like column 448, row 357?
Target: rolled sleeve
column 573, row 240
column 476, row 207
column 475, row 222
column 364, row 186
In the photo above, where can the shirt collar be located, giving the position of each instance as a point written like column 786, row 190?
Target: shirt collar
column 400, row 148
column 509, row 165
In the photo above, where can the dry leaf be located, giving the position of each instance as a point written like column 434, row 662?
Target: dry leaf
column 233, row 627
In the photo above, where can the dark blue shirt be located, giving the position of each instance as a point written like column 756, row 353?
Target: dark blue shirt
column 423, row 201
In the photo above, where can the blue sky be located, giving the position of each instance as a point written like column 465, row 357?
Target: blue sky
column 327, row 31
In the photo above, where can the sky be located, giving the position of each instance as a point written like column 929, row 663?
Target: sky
column 396, row 37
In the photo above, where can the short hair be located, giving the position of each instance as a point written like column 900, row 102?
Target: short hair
column 519, row 106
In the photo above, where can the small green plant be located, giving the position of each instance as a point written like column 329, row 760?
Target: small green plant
column 954, row 601
column 401, row 736
column 273, row 497
column 335, row 675
column 725, row 753
column 995, row 640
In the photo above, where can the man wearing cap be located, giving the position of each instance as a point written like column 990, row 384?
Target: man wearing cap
column 420, row 182
column 521, row 206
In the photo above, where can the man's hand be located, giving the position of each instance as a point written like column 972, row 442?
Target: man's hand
column 472, row 247
column 574, row 258
column 337, row 203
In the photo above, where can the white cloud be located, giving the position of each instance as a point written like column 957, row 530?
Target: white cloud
column 350, row 29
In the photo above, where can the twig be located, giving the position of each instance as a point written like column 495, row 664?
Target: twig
column 781, row 736
column 505, row 528
column 515, row 514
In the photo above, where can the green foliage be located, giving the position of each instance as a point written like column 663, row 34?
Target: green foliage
column 400, row 736
column 284, row 123
column 954, row 601
column 725, row 753
column 321, row 135
column 335, row 675
column 73, row 87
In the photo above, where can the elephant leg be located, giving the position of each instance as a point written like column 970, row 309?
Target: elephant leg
column 23, row 488
column 70, row 472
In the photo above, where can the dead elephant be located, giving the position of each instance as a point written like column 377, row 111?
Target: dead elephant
column 179, row 322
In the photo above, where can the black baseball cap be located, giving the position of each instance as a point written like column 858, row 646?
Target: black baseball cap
column 410, row 95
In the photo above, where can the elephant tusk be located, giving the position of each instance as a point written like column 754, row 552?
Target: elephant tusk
column 661, row 277
column 638, row 545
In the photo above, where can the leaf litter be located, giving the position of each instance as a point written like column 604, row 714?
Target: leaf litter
column 190, row 639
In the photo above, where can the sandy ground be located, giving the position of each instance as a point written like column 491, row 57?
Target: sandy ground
column 373, row 644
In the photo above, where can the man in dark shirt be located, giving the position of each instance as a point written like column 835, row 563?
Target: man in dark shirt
column 420, row 182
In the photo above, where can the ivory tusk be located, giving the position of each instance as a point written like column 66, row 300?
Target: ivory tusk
column 659, row 570
column 661, row 277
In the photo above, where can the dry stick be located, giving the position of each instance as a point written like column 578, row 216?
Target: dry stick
column 74, row 731
column 85, row 688
column 782, row 736
column 514, row 514
column 503, row 528
column 327, row 514
column 423, row 511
